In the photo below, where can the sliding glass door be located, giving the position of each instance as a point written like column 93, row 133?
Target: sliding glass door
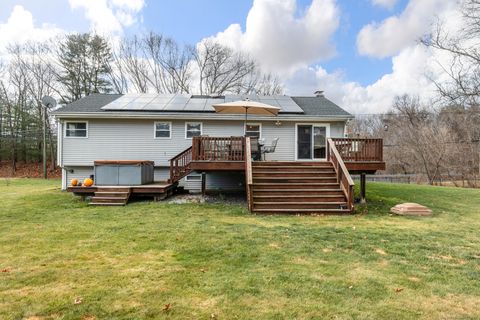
column 311, row 141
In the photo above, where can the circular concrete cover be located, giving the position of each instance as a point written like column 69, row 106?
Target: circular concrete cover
column 411, row 209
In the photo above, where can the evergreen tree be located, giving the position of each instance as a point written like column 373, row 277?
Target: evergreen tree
column 84, row 60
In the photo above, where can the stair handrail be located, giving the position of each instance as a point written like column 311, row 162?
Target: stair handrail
column 180, row 165
column 248, row 172
column 343, row 176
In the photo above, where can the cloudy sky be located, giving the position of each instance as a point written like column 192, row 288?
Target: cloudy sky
column 360, row 52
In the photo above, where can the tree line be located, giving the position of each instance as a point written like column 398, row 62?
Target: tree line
column 76, row 65
column 439, row 140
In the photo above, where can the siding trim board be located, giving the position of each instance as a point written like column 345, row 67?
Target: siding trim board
column 195, row 116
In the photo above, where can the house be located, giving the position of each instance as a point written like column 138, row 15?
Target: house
column 168, row 129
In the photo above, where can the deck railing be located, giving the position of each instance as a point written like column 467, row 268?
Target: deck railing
column 359, row 150
column 343, row 176
column 180, row 165
column 218, row 148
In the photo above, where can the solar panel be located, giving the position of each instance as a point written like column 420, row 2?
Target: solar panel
column 187, row 102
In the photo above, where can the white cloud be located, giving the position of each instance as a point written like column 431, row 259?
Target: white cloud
column 389, row 4
column 20, row 27
column 109, row 16
column 282, row 41
column 397, row 32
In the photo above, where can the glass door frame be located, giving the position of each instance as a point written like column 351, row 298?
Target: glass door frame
column 317, row 124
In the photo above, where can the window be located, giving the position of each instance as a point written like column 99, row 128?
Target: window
column 193, row 129
column 253, row 130
column 192, row 177
column 76, row 129
column 163, row 130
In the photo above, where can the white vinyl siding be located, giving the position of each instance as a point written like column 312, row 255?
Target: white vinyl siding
column 133, row 140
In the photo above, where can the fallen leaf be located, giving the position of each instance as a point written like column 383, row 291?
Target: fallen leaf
column 213, row 316
column 5, row 270
column 77, row 301
column 167, row 307
column 203, row 270
column 398, row 290
column 350, row 287
column 380, row 251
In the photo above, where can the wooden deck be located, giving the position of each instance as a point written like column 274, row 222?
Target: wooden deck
column 156, row 188
column 323, row 187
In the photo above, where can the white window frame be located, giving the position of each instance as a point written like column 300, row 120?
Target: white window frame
column 193, row 122
column 71, row 137
column 320, row 124
column 252, row 124
column 155, row 130
column 198, row 177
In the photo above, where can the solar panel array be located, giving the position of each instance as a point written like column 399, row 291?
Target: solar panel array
column 191, row 103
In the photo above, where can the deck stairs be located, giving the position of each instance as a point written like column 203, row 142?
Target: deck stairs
column 297, row 187
column 111, row 196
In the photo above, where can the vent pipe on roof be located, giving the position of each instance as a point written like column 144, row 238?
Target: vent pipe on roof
column 319, row 93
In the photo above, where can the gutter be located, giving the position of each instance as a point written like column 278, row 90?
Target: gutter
column 197, row 116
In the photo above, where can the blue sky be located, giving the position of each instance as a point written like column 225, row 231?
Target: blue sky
column 208, row 17
column 361, row 52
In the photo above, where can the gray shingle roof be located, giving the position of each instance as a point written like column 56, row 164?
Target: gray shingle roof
column 320, row 106
column 312, row 106
column 91, row 103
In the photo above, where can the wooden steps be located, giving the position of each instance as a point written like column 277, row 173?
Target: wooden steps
column 297, row 187
column 111, row 196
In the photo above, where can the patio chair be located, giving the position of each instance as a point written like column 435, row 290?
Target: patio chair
column 271, row 148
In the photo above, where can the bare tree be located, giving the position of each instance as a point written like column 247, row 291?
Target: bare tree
column 463, row 86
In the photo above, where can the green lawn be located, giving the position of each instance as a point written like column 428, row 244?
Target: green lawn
column 219, row 262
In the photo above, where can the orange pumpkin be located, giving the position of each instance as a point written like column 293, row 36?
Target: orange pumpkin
column 88, row 182
column 74, row 182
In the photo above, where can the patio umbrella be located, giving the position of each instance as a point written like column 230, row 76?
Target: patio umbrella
column 246, row 107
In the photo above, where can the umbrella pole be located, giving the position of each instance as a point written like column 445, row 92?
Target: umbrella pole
column 245, row 126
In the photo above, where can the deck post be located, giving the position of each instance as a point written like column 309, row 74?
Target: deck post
column 204, row 183
column 363, row 187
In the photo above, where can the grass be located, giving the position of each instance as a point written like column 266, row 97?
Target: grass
column 211, row 261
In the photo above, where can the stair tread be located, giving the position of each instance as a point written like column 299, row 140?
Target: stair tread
column 256, row 166
column 300, row 202
column 110, row 198
column 302, row 210
column 300, row 196
column 294, row 177
column 295, row 183
column 110, row 192
column 295, row 190
column 106, row 204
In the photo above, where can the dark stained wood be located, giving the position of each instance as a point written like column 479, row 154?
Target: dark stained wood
column 204, row 183
column 180, row 165
column 248, row 173
column 343, row 176
column 217, row 165
column 359, row 150
column 363, row 187
column 218, row 148
column 368, row 167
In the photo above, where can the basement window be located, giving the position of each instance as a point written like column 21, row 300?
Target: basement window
column 76, row 129
column 193, row 177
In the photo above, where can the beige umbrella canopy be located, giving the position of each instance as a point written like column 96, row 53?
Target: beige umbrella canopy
column 246, row 107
